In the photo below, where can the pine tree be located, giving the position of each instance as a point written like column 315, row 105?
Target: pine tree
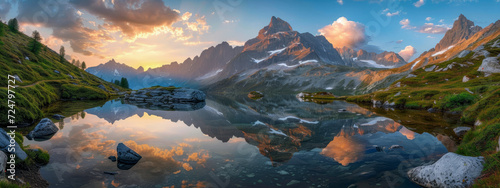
column 2, row 30
column 77, row 64
column 35, row 45
column 117, row 82
column 73, row 62
column 124, row 83
column 84, row 66
column 62, row 53
column 13, row 25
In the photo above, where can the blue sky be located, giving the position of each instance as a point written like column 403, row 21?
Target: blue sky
column 377, row 25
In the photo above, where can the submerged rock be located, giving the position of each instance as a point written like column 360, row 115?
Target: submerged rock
column 127, row 155
column 167, row 98
column 452, row 170
column 58, row 116
column 43, row 130
column 5, row 142
column 112, row 158
column 460, row 131
column 395, row 147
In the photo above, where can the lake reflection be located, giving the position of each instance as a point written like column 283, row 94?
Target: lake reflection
column 272, row 142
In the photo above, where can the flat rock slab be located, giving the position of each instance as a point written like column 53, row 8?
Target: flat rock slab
column 490, row 65
column 452, row 170
column 460, row 131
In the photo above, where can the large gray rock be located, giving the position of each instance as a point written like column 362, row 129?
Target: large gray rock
column 464, row 53
column 452, row 170
column 490, row 65
column 168, row 99
column 5, row 142
column 44, row 130
column 127, row 155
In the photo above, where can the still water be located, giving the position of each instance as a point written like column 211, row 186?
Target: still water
column 271, row 142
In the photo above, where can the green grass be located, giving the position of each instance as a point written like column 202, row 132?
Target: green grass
column 8, row 184
column 445, row 90
column 39, row 70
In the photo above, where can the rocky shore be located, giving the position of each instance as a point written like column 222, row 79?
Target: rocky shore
column 167, row 98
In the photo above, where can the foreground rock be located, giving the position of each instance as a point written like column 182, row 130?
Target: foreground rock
column 460, row 131
column 167, row 98
column 452, row 170
column 5, row 142
column 58, row 116
column 490, row 65
column 127, row 155
column 44, row 130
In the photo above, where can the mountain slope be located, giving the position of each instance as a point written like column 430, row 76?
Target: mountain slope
column 362, row 58
column 42, row 79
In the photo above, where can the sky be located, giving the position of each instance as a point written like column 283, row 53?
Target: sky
column 151, row 33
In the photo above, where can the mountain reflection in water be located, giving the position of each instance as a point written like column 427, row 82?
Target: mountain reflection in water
column 275, row 141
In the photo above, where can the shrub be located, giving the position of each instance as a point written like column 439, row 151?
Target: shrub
column 457, row 101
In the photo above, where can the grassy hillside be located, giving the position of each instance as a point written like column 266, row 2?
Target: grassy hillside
column 44, row 78
column 478, row 100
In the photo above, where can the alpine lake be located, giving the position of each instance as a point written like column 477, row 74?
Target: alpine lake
column 275, row 141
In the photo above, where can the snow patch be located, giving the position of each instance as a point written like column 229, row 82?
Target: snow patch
column 301, row 120
column 209, row 75
column 329, row 88
column 413, row 66
column 272, row 131
column 308, row 61
column 214, row 110
column 375, row 121
column 442, row 51
column 271, row 53
column 258, row 123
column 258, row 60
column 374, row 64
column 116, row 73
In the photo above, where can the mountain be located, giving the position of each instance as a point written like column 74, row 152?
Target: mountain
column 41, row 79
column 362, row 58
column 462, row 29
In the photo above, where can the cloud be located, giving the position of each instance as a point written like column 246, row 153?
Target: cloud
column 341, row 2
column 236, row 43
column 186, row 16
column 133, row 18
column 229, row 21
column 441, row 21
column 66, row 24
column 5, row 7
column 429, row 19
column 200, row 25
column 343, row 32
column 407, row 53
column 389, row 14
column 431, row 37
column 433, row 29
column 405, row 24
column 419, row 3
column 399, row 41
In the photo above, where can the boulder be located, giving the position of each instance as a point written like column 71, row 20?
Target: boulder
column 102, row 87
column 498, row 148
column 127, row 155
column 58, row 116
column 43, row 130
column 465, row 79
column 452, row 170
column 430, row 68
column 460, row 131
column 56, row 71
column 70, row 76
column 3, row 164
column 5, row 142
column 411, row 76
column 16, row 77
column 490, row 65
column 468, row 90
column 464, row 53
column 112, row 158
column 397, row 94
column 395, row 147
column 432, row 110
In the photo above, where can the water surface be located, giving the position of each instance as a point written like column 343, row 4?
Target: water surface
column 271, row 142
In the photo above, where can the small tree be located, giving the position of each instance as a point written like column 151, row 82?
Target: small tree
column 117, row 82
column 35, row 45
column 77, row 64
column 62, row 53
column 73, row 62
column 13, row 25
column 124, row 83
column 2, row 30
column 84, row 66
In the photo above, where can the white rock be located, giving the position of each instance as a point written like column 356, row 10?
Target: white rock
column 490, row 65
column 430, row 68
column 452, row 170
column 465, row 79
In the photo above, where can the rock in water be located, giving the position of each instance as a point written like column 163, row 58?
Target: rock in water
column 5, row 142
column 460, row 131
column 127, row 155
column 44, row 130
column 112, row 158
column 452, row 170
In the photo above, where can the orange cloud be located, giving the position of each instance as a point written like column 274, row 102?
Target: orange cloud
column 407, row 53
column 344, row 150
